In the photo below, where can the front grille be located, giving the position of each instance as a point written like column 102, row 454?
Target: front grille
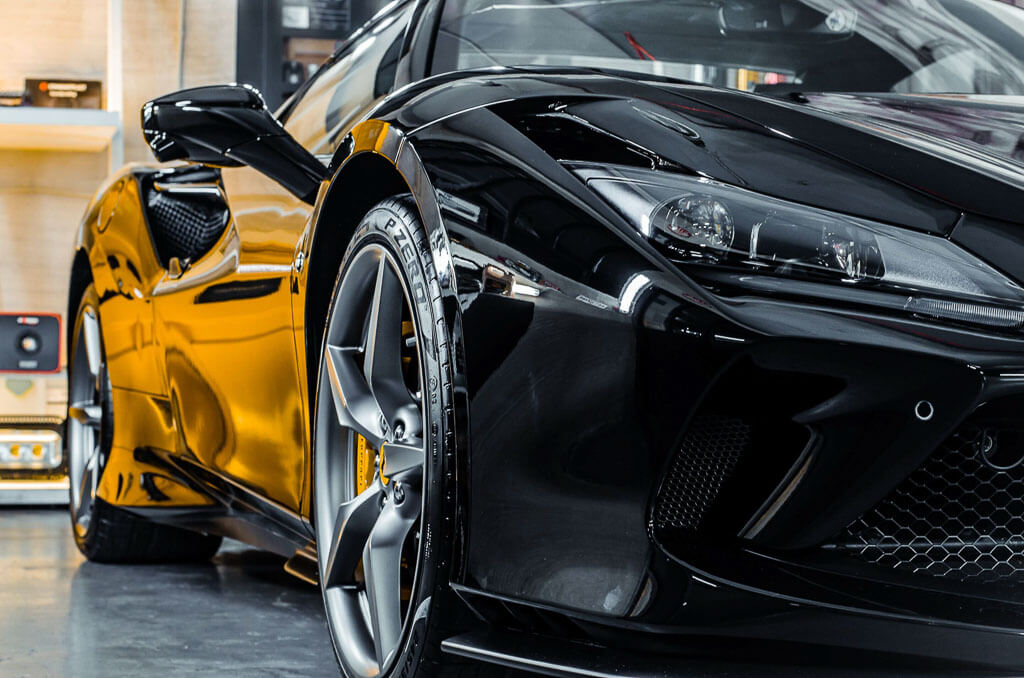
column 710, row 451
column 957, row 516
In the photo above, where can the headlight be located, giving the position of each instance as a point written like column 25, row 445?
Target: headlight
column 773, row 246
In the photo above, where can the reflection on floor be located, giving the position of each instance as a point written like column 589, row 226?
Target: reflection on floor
column 241, row 615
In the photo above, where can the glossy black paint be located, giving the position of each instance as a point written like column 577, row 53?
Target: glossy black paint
column 575, row 407
column 790, row 152
column 571, row 402
column 229, row 126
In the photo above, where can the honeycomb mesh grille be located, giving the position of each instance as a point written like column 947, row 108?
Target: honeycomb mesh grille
column 956, row 517
column 710, row 450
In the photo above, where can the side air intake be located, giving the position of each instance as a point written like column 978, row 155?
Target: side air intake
column 711, row 449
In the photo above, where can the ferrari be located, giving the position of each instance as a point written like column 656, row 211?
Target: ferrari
column 585, row 337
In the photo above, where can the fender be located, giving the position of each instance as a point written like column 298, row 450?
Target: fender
column 381, row 145
column 373, row 163
column 114, row 241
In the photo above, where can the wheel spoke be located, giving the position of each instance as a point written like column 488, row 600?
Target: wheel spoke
column 93, row 347
column 94, row 469
column 352, row 528
column 86, row 413
column 382, row 567
column 87, row 487
column 366, row 365
column 353, row 400
column 402, row 459
column 382, row 357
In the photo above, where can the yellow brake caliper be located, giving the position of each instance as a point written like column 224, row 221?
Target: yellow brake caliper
column 365, row 461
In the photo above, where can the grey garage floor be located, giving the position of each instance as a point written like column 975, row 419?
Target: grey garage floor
column 63, row 616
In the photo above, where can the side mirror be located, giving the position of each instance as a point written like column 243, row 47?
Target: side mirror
column 229, row 126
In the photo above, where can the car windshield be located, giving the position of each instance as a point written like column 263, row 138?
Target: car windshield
column 770, row 46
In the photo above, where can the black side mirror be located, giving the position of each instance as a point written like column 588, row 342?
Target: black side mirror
column 229, row 126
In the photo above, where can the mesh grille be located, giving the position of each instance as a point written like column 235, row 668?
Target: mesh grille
column 707, row 457
column 956, row 516
column 184, row 227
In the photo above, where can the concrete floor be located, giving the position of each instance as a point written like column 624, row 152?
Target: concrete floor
column 241, row 615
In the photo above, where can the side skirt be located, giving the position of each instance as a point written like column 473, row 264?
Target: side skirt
column 240, row 513
column 573, row 659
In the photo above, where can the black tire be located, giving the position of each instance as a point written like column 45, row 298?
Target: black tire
column 394, row 225
column 103, row 532
column 116, row 536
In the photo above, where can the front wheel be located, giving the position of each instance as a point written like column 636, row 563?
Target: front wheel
column 382, row 507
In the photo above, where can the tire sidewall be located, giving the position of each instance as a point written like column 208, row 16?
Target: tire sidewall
column 395, row 225
column 89, row 300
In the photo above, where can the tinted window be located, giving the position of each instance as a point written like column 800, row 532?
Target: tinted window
column 906, row 46
column 342, row 94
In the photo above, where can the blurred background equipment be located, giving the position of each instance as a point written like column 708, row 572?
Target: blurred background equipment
column 14, row 97
column 29, row 342
column 281, row 43
column 33, row 394
column 60, row 93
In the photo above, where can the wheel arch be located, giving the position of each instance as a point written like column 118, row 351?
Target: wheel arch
column 364, row 180
column 81, row 278
column 375, row 162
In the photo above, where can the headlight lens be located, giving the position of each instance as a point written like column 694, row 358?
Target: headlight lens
column 697, row 220
column 706, row 225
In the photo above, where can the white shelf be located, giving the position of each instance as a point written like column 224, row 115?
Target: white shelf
column 34, row 491
column 30, row 128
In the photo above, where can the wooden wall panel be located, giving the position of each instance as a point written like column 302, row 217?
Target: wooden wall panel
column 42, row 199
column 53, row 39
column 37, row 250
column 210, row 42
column 151, row 44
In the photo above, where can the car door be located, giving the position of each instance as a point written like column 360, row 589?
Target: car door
column 225, row 324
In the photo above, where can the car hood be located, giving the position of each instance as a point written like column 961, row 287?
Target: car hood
column 920, row 162
column 983, row 132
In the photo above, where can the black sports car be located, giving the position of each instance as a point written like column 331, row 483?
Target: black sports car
column 590, row 337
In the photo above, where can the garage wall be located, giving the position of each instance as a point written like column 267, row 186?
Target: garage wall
column 43, row 193
column 151, row 44
column 53, row 38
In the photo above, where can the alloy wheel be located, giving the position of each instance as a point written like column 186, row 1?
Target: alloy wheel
column 88, row 398
column 369, row 461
